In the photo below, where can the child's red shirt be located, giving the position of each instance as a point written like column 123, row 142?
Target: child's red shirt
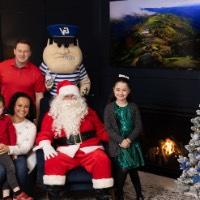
column 7, row 130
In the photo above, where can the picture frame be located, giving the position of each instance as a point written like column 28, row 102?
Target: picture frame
column 155, row 34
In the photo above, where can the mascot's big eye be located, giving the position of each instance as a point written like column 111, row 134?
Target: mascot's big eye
column 66, row 45
column 66, row 41
column 59, row 45
column 58, row 41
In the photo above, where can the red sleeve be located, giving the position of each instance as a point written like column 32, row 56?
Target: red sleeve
column 40, row 83
column 99, row 126
column 46, row 132
column 11, row 132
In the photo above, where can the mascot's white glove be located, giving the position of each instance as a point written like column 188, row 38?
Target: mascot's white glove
column 49, row 151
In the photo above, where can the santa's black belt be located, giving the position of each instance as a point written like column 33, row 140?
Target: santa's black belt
column 74, row 139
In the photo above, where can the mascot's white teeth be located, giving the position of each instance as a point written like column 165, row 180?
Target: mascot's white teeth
column 69, row 57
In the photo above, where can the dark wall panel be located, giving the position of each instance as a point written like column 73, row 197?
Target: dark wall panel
column 176, row 91
column 22, row 19
column 31, row 17
column 165, row 89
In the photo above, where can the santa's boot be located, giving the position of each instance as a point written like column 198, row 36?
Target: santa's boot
column 102, row 194
column 55, row 192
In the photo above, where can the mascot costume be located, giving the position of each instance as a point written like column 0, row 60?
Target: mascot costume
column 62, row 60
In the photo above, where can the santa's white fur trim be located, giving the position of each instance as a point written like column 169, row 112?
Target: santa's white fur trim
column 44, row 143
column 91, row 148
column 31, row 161
column 6, row 192
column 54, row 179
column 67, row 90
column 102, row 183
column 69, row 150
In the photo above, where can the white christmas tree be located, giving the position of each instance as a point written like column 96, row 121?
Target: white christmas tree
column 189, row 181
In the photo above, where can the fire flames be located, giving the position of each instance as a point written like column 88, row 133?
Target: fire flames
column 166, row 149
column 168, row 146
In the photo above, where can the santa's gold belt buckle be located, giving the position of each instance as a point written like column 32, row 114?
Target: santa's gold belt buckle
column 77, row 139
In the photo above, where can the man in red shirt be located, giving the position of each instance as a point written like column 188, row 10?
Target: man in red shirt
column 20, row 75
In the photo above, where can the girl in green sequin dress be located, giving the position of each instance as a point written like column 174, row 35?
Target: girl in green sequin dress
column 123, row 123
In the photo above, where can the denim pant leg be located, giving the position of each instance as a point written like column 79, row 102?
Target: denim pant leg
column 22, row 174
column 2, row 175
column 11, row 180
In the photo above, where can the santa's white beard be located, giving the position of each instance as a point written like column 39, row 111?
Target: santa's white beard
column 67, row 115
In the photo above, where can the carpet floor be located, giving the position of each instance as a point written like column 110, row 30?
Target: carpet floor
column 154, row 188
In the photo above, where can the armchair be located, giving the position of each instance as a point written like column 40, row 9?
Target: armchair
column 79, row 181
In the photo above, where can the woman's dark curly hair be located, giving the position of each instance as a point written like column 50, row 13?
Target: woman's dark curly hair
column 14, row 98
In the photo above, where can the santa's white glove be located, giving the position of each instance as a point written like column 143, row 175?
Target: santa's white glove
column 49, row 151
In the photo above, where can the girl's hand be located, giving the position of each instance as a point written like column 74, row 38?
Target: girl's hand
column 4, row 148
column 125, row 144
column 128, row 140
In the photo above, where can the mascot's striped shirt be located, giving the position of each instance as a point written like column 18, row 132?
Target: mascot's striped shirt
column 75, row 77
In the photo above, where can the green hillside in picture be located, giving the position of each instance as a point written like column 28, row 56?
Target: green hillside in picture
column 159, row 41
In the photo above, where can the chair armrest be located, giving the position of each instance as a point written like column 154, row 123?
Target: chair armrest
column 40, row 165
column 2, row 175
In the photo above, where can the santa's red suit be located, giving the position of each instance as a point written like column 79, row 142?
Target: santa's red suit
column 89, row 153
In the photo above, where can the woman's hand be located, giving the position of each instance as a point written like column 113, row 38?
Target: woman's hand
column 125, row 144
column 4, row 148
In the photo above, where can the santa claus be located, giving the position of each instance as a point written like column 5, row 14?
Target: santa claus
column 76, row 132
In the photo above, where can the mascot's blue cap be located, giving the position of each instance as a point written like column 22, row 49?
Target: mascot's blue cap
column 63, row 30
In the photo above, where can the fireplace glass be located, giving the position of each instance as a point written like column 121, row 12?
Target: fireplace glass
column 164, row 137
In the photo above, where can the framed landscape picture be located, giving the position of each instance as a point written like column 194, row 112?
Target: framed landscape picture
column 155, row 34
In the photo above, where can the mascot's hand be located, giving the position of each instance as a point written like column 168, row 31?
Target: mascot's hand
column 85, row 86
column 84, row 90
column 49, row 151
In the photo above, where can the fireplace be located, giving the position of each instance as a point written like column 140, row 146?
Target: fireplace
column 165, row 134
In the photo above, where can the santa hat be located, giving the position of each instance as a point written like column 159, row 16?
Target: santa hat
column 66, row 88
